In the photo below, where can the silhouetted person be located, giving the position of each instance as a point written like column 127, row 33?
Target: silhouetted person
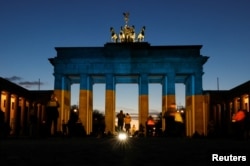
column 33, row 121
column 179, row 126
column 247, row 124
column 169, row 122
column 150, row 124
column 4, row 127
column 127, row 121
column 73, row 118
column 141, row 130
column 52, row 114
column 133, row 130
column 211, row 129
column 120, row 117
column 2, row 134
column 64, row 128
column 239, row 122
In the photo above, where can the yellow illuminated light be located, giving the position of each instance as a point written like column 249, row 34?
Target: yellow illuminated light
column 122, row 136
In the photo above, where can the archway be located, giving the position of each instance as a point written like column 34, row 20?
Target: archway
column 138, row 63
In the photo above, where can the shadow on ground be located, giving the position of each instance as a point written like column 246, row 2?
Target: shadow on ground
column 109, row 151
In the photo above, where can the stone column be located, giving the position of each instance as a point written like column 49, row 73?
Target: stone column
column 23, row 115
column 143, row 99
column 59, row 92
column 168, row 95
column 194, row 104
column 86, row 102
column 1, row 106
column 110, row 104
column 7, row 107
column 16, row 115
column 248, row 102
column 236, row 105
column 64, row 108
column 62, row 88
column 39, row 112
column 190, row 114
column 243, row 102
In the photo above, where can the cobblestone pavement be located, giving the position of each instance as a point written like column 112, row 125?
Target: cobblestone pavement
column 110, row 151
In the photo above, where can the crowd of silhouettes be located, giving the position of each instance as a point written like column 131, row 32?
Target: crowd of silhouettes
column 174, row 124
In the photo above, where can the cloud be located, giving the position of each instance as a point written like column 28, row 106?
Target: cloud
column 13, row 78
column 29, row 84
column 26, row 84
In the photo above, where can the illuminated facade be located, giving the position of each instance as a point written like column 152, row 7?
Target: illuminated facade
column 130, row 60
column 127, row 59
column 223, row 104
column 137, row 63
column 16, row 102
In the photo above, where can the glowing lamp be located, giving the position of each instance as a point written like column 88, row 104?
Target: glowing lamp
column 122, row 136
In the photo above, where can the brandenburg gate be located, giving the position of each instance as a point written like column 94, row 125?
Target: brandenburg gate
column 128, row 59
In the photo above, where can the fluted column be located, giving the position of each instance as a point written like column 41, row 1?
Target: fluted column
column 62, row 92
column 65, row 101
column 7, row 107
column 110, row 103
column 168, row 95
column 23, row 114
column 1, row 100
column 16, row 115
column 248, row 102
column 195, row 115
column 86, row 102
column 59, row 92
column 143, row 99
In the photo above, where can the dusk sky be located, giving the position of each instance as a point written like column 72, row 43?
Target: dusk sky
column 31, row 29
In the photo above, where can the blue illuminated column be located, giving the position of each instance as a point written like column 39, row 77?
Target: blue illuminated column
column 168, row 95
column 195, row 111
column 110, row 104
column 143, row 99
column 62, row 91
column 86, row 102
column 59, row 91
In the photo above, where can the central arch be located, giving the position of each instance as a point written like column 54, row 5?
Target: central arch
column 138, row 63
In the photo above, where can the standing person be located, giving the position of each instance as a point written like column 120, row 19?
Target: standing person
column 1, row 124
column 239, row 122
column 120, row 117
column 247, row 124
column 52, row 114
column 64, row 128
column 33, row 121
column 127, row 121
column 133, row 130
column 169, row 117
column 179, row 128
column 150, row 124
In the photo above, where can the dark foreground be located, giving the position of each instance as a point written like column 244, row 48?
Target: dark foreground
column 109, row 151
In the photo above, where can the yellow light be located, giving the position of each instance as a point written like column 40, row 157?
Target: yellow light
column 122, row 136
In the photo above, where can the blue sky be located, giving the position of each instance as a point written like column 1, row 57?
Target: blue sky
column 30, row 29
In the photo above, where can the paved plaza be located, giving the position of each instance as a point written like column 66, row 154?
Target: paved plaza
column 87, row 151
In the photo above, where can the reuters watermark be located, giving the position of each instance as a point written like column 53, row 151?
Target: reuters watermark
column 228, row 158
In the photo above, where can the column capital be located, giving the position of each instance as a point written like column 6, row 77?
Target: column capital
column 168, row 84
column 86, row 82
column 143, row 84
column 110, row 82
